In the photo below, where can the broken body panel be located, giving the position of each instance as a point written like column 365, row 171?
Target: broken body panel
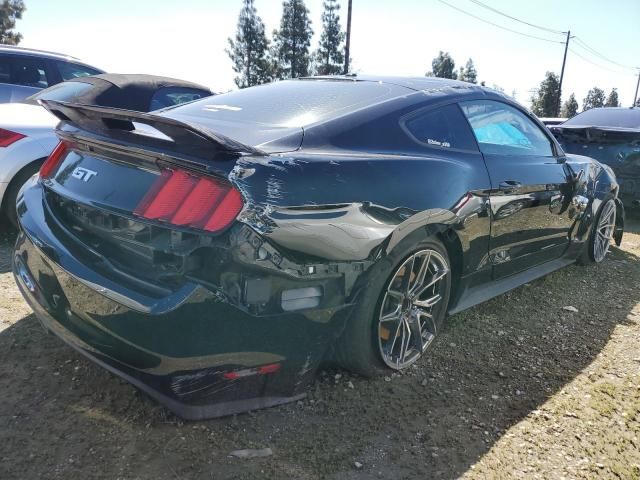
column 216, row 324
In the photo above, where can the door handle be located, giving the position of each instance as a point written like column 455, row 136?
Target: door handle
column 509, row 185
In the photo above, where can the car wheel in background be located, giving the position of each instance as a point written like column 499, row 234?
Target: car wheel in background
column 400, row 312
column 601, row 234
column 9, row 203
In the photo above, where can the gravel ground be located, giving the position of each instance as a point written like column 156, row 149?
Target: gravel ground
column 515, row 388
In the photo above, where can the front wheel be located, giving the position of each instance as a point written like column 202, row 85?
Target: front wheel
column 400, row 312
column 601, row 234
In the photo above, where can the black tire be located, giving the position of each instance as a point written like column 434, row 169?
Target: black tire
column 358, row 349
column 588, row 255
column 11, row 195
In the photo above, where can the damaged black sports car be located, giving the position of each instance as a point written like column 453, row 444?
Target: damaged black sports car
column 611, row 136
column 217, row 253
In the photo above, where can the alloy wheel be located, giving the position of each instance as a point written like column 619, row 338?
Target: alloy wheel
column 604, row 231
column 408, row 313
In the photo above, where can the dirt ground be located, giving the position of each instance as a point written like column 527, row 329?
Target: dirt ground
column 515, row 388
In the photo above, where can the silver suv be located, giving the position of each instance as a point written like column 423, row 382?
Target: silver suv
column 24, row 71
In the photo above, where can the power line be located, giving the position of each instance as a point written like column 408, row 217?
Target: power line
column 599, row 65
column 551, row 30
column 499, row 26
column 598, row 54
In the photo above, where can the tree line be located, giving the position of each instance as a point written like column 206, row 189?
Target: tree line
column 258, row 59
column 545, row 100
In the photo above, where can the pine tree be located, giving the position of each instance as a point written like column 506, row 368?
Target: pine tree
column 595, row 98
column 291, row 42
column 612, row 99
column 570, row 107
column 329, row 57
column 248, row 51
column 468, row 73
column 545, row 101
column 10, row 11
column 443, row 66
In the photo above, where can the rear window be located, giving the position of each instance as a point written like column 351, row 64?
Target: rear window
column 62, row 92
column 290, row 103
column 170, row 96
column 607, row 117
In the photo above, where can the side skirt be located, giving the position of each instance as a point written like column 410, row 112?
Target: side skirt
column 484, row 292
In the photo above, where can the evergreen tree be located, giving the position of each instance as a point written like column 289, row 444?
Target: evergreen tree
column 10, row 11
column 248, row 51
column 570, row 107
column 329, row 57
column 595, row 98
column 291, row 42
column 612, row 99
column 545, row 101
column 468, row 73
column 443, row 66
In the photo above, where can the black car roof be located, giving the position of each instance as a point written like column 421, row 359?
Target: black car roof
column 614, row 117
column 412, row 83
column 128, row 91
column 124, row 80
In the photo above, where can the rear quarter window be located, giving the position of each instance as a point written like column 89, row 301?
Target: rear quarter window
column 443, row 127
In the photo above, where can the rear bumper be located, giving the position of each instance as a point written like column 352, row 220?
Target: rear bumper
column 179, row 349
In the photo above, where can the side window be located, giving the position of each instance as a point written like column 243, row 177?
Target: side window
column 503, row 130
column 443, row 127
column 30, row 72
column 70, row 70
column 5, row 69
column 170, row 96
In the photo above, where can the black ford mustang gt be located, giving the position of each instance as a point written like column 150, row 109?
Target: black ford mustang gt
column 214, row 254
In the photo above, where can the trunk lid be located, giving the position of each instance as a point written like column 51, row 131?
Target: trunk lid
column 116, row 164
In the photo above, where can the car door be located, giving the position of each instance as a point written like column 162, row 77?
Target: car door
column 531, row 187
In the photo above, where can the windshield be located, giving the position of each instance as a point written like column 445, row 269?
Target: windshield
column 62, row 92
column 290, row 103
column 607, row 117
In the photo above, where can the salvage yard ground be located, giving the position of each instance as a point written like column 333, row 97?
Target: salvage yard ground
column 518, row 387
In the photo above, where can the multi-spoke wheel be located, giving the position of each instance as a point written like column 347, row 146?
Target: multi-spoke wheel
column 400, row 310
column 406, row 324
column 602, row 232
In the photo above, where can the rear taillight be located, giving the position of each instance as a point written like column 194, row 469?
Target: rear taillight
column 7, row 137
column 181, row 198
column 51, row 164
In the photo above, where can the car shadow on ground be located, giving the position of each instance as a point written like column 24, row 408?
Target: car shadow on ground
column 61, row 416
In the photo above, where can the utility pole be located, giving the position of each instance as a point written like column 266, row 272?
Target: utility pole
column 564, row 61
column 635, row 97
column 348, row 42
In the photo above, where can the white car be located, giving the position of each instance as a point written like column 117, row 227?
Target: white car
column 26, row 139
column 27, row 134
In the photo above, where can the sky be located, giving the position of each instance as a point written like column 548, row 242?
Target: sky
column 187, row 39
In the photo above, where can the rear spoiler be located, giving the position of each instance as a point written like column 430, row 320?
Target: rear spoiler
column 127, row 128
